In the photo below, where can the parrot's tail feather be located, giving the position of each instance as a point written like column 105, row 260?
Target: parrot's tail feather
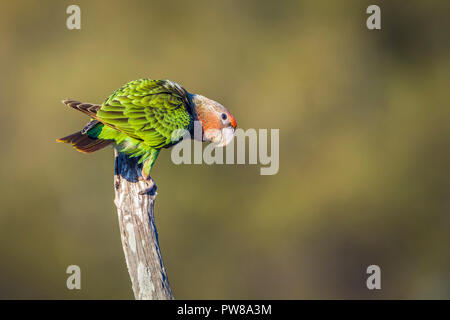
column 85, row 144
column 87, row 108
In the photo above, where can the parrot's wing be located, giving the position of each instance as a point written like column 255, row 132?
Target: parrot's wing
column 155, row 111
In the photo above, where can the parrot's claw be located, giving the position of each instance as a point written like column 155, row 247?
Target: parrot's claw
column 149, row 191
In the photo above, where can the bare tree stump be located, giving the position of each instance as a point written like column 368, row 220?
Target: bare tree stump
column 138, row 231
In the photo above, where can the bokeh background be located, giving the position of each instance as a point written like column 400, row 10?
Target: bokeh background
column 364, row 148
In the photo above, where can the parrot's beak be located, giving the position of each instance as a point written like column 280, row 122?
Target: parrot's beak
column 227, row 135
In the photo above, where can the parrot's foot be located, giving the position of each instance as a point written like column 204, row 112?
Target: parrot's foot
column 149, row 191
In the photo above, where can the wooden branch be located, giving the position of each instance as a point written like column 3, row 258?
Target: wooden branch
column 138, row 231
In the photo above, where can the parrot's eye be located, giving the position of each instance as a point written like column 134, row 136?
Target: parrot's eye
column 224, row 116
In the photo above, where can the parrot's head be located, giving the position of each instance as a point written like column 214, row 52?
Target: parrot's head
column 218, row 123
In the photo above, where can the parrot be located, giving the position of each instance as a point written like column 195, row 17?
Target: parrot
column 146, row 115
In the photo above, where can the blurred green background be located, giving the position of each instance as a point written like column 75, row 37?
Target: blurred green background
column 364, row 148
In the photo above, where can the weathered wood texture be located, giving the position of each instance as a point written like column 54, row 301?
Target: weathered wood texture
column 138, row 231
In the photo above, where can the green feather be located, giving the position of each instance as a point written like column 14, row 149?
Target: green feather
column 141, row 117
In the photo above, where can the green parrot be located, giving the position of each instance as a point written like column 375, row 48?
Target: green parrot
column 144, row 116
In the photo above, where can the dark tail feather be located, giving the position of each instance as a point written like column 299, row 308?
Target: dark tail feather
column 83, row 143
column 87, row 108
